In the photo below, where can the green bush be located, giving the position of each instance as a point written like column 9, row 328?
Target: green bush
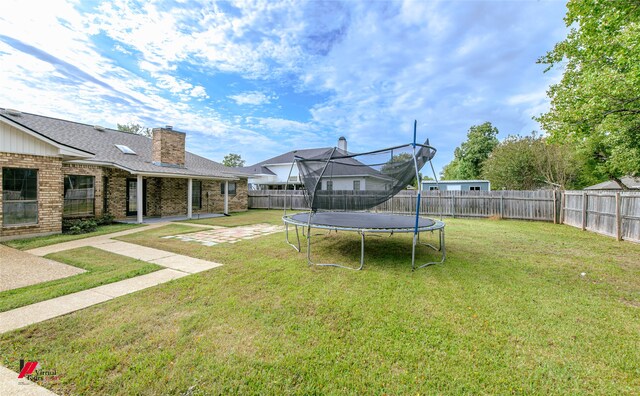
column 105, row 219
column 79, row 226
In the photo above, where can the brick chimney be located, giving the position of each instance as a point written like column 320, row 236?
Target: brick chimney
column 342, row 143
column 168, row 147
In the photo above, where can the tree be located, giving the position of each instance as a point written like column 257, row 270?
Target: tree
column 511, row 165
column 596, row 105
column 469, row 157
column 233, row 160
column 399, row 163
column 135, row 129
column 531, row 162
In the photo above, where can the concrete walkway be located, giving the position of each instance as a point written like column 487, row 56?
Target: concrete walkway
column 176, row 266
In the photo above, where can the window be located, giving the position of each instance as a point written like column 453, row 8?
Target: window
column 125, row 149
column 433, row 188
column 356, row 185
column 79, row 196
column 474, row 188
column 19, row 196
column 232, row 188
column 329, row 185
column 196, row 195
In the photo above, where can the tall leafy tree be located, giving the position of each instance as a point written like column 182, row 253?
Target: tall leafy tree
column 596, row 105
column 232, row 160
column 469, row 157
column 135, row 128
column 531, row 162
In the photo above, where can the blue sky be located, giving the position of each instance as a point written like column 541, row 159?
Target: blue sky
column 259, row 78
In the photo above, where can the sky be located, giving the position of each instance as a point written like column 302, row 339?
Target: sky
column 260, row 78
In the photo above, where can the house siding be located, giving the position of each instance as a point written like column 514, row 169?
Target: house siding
column 50, row 191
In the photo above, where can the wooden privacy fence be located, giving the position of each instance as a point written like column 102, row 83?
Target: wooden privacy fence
column 612, row 213
column 526, row 205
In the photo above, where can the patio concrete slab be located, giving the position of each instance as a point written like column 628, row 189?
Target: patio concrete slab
column 20, row 269
column 11, row 385
column 186, row 264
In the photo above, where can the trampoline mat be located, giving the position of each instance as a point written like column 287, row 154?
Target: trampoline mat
column 362, row 220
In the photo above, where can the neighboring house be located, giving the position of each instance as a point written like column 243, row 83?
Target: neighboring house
column 630, row 182
column 52, row 168
column 273, row 174
column 456, row 185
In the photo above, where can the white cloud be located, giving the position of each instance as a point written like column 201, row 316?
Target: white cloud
column 372, row 66
column 199, row 92
column 252, row 98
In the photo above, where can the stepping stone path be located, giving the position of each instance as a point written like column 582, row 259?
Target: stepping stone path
column 218, row 235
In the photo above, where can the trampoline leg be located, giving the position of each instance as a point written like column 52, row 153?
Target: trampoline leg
column 442, row 248
column 310, row 263
column 286, row 236
column 361, row 250
column 413, row 252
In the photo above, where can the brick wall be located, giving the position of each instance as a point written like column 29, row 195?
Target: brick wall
column 50, row 191
column 116, row 191
column 174, row 197
column 215, row 201
column 88, row 170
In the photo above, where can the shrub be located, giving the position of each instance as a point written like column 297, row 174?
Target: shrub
column 105, row 219
column 79, row 226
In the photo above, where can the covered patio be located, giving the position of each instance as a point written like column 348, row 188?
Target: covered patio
column 177, row 198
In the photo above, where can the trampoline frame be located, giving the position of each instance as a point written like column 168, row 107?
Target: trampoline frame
column 437, row 226
column 416, row 229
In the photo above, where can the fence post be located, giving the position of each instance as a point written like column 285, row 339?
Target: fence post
column 618, row 218
column 269, row 201
column 585, row 197
column 563, row 202
column 555, row 207
column 453, row 205
column 502, row 204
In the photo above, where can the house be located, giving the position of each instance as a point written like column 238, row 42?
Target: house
column 456, row 185
column 53, row 168
column 630, row 182
column 273, row 174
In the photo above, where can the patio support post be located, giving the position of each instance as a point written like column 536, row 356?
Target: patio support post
column 226, row 197
column 189, row 198
column 139, row 199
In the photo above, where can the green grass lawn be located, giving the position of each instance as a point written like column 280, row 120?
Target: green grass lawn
column 102, row 268
column 508, row 313
column 36, row 242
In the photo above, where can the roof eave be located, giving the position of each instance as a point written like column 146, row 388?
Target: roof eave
column 154, row 174
column 63, row 149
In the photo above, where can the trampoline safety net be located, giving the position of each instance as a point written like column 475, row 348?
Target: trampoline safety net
column 340, row 181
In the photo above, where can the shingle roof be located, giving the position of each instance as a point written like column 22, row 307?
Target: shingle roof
column 102, row 145
column 345, row 166
column 630, row 182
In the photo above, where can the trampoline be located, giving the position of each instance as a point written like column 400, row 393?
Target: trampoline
column 341, row 187
column 363, row 223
